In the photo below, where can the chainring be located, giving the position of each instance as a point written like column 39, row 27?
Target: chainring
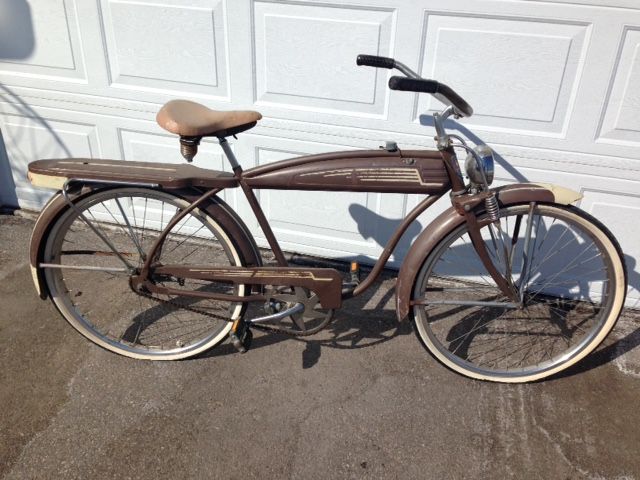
column 311, row 320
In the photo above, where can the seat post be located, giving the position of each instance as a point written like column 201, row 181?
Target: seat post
column 229, row 153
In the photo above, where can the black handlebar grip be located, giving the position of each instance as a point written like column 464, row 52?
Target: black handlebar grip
column 441, row 91
column 456, row 100
column 373, row 61
column 413, row 85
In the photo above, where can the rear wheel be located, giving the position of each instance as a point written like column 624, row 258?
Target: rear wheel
column 88, row 274
column 571, row 280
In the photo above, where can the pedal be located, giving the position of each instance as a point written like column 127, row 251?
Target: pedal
column 355, row 273
column 349, row 287
column 241, row 336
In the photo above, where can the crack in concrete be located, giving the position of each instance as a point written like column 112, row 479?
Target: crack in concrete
column 627, row 358
column 558, row 448
column 622, row 365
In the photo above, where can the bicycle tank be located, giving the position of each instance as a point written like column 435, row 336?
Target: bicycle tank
column 401, row 171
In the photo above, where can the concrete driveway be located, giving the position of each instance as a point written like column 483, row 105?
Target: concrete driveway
column 360, row 400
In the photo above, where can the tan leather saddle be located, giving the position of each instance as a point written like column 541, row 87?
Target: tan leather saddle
column 191, row 119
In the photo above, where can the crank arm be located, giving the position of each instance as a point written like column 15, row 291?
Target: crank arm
column 297, row 308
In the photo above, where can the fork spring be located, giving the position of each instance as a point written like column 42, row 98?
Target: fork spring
column 491, row 204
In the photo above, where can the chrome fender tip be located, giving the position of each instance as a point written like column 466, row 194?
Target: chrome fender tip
column 561, row 195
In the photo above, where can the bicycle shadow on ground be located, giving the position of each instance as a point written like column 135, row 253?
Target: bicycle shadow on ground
column 362, row 322
column 610, row 350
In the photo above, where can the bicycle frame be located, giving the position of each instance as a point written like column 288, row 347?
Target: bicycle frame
column 430, row 172
column 427, row 172
column 372, row 171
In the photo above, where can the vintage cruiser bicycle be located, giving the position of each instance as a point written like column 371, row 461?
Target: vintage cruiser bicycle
column 509, row 284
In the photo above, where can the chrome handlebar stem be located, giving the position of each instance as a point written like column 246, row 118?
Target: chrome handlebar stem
column 442, row 139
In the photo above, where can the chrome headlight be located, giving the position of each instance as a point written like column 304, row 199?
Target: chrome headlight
column 473, row 165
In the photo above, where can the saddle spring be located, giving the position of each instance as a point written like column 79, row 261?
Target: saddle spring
column 189, row 147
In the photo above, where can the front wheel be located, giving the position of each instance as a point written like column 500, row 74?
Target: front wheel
column 87, row 271
column 569, row 274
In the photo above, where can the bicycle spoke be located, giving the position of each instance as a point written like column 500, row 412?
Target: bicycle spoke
column 185, row 239
column 555, row 251
column 144, row 218
column 134, row 237
column 59, row 266
column 101, row 234
column 562, row 271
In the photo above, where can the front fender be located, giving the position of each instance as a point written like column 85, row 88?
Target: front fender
column 449, row 219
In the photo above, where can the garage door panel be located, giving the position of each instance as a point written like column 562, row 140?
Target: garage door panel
column 513, row 158
column 27, row 139
column 621, row 120
column 319, row 72
column 620, row 213
column 23, row 50
column 166, row 46
column 518, row 73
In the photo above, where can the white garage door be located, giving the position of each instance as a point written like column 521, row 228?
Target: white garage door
column 555, row 86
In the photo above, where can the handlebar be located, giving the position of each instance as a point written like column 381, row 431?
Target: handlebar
column 415, row 83
column 442, row 92
column 373, row 61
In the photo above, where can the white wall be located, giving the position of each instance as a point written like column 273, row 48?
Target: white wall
column 555, row 87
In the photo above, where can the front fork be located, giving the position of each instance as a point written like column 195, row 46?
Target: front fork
column 466, row 204
column 503, row 281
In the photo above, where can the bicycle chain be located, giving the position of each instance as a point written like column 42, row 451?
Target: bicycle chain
column 184, row 307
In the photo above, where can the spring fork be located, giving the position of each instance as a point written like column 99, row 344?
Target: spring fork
column 493, row 211
column 526, row 254
column 493, row 214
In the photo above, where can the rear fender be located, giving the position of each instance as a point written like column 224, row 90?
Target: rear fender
column 451, row 219
column 48, row 215
column 228, row 219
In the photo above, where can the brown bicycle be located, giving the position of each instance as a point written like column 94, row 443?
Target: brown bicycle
column 509, row 284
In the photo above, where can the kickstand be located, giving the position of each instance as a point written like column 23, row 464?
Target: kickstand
column 241, row 335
